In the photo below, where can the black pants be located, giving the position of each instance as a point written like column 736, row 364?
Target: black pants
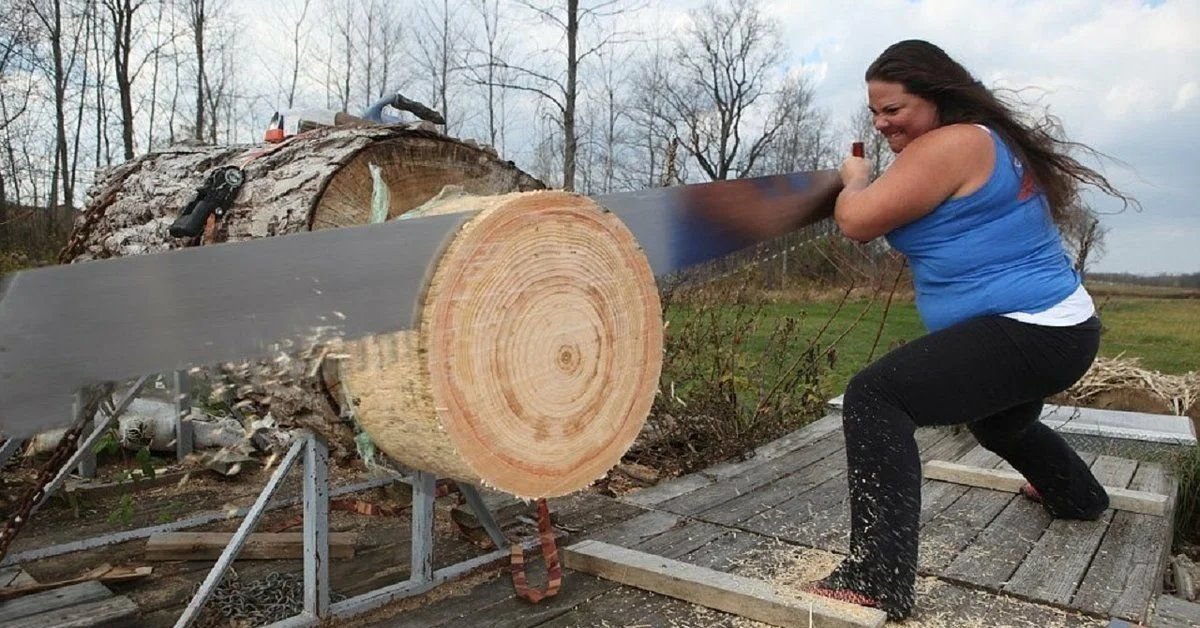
column 990, row 373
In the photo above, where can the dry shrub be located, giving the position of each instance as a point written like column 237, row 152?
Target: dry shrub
column 724, row 391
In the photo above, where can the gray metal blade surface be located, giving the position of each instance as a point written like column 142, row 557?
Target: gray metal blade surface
column 65, row 327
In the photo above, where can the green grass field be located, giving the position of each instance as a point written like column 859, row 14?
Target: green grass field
column 1163, row 332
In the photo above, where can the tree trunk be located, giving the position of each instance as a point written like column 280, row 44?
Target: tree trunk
column 539, row 343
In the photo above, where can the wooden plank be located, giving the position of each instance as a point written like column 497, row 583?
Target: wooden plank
column 811, row 433
column 1120, row 498
column 35, row 603
column 1125, row 574
column 942, row 604
column 15, row 577
column 630, row 606
column 746, row 597
column 996, row 552
column 103, row 574
column 747, row 505
column 686, row 484
column 945, row 535
column 790, row 519
column 1057, row 563
column 937, row 496
column 752, row 478
column 1173, row 612
column 957, row 442
column 113, row 611
column 671, row 489
column 259, row 546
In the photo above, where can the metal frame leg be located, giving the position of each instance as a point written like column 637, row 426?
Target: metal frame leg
column 87, row 457
column 85, row 445
column 239, row 538
column 316, row 528
column 483, row 514
column 11, row 447
column 424, row 488
column 183, row 414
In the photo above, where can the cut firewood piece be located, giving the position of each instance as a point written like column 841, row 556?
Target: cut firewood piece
column 739, row 595
column 537, row 353
column 1010, row 481
column 260, row 545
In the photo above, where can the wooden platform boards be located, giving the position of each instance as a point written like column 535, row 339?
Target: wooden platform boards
column 988, row 558
column 84, row 604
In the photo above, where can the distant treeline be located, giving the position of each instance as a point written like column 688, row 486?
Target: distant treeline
column 1190, row 280
column 32, row 236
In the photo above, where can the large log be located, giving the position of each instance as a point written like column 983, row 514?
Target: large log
column 537, row 353
column 317, row 180
column 320, row 179
column 539, row 343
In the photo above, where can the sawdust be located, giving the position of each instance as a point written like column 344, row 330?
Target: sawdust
column 939, row 604
column 460, row 587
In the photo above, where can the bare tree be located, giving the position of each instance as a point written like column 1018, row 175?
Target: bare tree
column 16, row 91
column 299, row 31
column 198, row 20
column 1083, row 234
column 483, row 63
column 723, row 65
column 560, row 88
column 440, row 52
column 650, row 120
column 65, row 41
column 804, row 140
column 122, row 14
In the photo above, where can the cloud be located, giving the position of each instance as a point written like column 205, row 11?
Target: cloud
column 1120, row 74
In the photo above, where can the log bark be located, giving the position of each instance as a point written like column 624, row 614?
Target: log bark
column 317, row 180
column 536, row 357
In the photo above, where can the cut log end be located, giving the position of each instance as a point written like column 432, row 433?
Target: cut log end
column 538, row 354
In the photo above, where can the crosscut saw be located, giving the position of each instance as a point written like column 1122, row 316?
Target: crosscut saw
column 66, row 327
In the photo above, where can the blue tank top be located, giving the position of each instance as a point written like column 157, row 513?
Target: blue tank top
column 994, row 251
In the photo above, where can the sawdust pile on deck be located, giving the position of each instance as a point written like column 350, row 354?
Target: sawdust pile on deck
column 939, row 604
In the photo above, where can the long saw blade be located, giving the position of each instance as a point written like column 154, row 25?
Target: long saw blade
column 65, row 327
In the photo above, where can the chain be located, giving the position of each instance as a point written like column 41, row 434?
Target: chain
column 61, row 454
column 274, row 597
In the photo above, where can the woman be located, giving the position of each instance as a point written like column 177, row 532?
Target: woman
column 971, row 199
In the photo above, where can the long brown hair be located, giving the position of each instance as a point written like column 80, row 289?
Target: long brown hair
column 926, row 70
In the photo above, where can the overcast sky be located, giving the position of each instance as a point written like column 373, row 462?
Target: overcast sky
column 1123, row 76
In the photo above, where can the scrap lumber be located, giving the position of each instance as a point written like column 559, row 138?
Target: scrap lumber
column 36, row 603
column 105, row 574
column 116, row 610
column 259, row 545
column 1142, row 502
column 745, row 597
column 15, row 577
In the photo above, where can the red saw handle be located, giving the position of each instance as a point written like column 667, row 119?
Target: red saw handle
column 856, row 149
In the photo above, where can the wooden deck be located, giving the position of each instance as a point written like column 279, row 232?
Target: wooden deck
column 988, row 558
